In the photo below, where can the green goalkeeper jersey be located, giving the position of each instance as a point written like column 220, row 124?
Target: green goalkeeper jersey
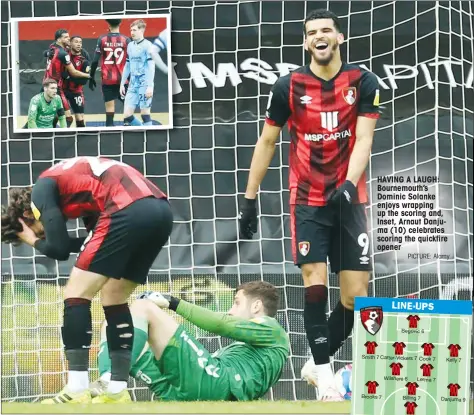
column 41, row 113
column 255, row 361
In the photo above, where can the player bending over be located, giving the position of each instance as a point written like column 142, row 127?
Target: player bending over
column 331, row 108
column 111, row 51
column 46, row 107
column 176, row 367
column 129, row 220
column 58, row 62
column 160, row 44
column 74, row 87
column 141, row 69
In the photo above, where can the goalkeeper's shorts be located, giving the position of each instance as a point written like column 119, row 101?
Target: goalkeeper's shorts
column 319, row 233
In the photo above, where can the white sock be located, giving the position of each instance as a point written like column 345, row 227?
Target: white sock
column 77, row 381
column 106, row 377
column 116, row 386
column 325, row 368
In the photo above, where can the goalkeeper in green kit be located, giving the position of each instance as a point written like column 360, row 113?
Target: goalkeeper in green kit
column 176, row 367
column 46, row 107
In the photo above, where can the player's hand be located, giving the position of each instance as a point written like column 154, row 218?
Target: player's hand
column 27, row 235
column 92, row 84
column 248, row 218
column 122, row 90
column 161, row 300
column 344, row 196
column 149, row 93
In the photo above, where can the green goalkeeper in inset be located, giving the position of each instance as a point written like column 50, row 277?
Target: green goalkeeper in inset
column 46, row 107
column 176, row 367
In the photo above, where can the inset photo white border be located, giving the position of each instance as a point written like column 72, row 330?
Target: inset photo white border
column 31, row 38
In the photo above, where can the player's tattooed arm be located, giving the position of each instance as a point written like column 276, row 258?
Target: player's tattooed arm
column 85, row 67
column 56, row 242
column 365, row 127
column 33, row 112
column 73, row 72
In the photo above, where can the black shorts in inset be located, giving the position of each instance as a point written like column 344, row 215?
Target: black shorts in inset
column 76, row 100
column 319, row 232
column 112, row 92
column 126, row 243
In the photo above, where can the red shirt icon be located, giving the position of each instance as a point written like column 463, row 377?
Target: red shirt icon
column 427, row 348
column 410, row 407
column 370, row 347
column 399, row 346
column 453, row 350
column 426, row 369
column 371, row 387
column 396, row 368
column 413, row 321
column 453, row 389
column 411, row 388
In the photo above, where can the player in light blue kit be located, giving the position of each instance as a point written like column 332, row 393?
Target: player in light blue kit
column 160, row 44
column 141, row 69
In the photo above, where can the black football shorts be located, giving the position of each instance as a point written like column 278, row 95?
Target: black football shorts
column 76, row 101
column 112, row 92
column 320, row 232
column 126, row 243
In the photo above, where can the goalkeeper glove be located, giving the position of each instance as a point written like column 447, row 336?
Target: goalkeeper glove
column 92, row 84
column 161, row 300
column 344, row 196
column 248, row 218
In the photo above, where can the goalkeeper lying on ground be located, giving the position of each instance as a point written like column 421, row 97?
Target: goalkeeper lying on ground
column 177, row 367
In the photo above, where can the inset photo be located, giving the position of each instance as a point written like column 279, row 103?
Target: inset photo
column 92, row 73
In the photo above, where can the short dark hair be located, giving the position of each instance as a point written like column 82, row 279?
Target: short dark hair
column 19, row 203
column 76, row 37
column 263, row 291
column 49, row 81
column 113, row 22
column 322, row 14
column 59, row 33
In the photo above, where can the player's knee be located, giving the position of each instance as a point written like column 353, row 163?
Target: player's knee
column 348, row 300
column 314, row 274
column 142, row 308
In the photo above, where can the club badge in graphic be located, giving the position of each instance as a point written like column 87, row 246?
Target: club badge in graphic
column 371, row 318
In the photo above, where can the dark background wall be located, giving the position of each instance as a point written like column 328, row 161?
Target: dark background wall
column 426, row 129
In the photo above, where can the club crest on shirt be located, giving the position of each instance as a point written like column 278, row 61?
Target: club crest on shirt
column 303, row 247
column 349, row 93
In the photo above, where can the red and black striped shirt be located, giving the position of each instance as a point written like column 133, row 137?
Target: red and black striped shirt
column 112, row 48
column 322, row 117
column 56, row 65
column 81, row 63
column 89, row 185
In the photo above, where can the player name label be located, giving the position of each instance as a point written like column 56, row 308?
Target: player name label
column 408, row 357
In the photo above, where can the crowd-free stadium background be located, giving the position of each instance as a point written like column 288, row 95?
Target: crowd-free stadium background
column 36, row 36
column 227, row 56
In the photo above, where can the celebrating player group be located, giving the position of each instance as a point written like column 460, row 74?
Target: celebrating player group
column 331, row 108
column 127, row 75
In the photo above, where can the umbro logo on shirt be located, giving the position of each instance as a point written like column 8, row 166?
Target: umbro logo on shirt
column 306, row 99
